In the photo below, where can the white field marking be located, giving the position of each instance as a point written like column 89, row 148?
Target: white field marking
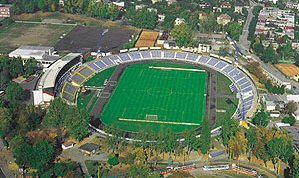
column 174, row 68
column 158, row 122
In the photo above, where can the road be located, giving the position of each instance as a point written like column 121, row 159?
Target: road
column 244, row 46
column 260, row 169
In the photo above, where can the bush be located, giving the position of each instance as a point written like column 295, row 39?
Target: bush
column 113, row 160
column 289, row 120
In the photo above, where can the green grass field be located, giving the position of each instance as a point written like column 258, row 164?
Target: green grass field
column 17, row 34
column 96, row 81
column 175, row 98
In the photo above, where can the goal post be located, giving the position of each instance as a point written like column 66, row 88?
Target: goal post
column 151, row 117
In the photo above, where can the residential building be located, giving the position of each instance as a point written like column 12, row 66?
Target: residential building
column 120, row 4
column 67, row 145
column 223, row 19
column 276, row 21
column 238, row 9
column 274, row 102
column 61, row 2
column 161, row 17
column 225, row 5
column 43, row 54
column 169, row 2
column 89, row 148
column 5, row 10
column 202, row 15
column 140, row 6
column 179, row 21
column 155, row 1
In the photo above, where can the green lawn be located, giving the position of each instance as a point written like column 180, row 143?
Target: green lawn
column 92, row 166
column 17, row 34
column 83, row 99
column 176, row 97
column 230, row 108
column 97, row 81
column 223, row 85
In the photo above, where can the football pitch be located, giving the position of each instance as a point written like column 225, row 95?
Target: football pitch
column 153, row 96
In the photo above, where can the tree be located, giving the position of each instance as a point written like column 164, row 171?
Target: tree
column 22, row 150
column 31, row 66
column 5, row 121
column 261, row 118
column 16, row 67
column 168, row 21
column 15, row 94
column 279, row 149
column 238, row 144
column 142, row 18
column 102, row 10
column 209, row 25
column 191, row 142
column 113, row 160
column 205, row 137
column 295, row 167
column 76, row 121
column 43, row 154
column 291, row 107
column 139, row 170
column 289, row 120
column 56, row 114
column 269, row 55
column 182, row 34
column 234, row 29
column 252, row 139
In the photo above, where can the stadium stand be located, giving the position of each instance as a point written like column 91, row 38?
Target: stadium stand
column 241, row 82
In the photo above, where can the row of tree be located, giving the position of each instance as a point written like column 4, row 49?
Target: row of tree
column 255, row 69
column 268, row 54
column 39, row 154
column 164, row 141
column 35, row 136
column 25, row 6
column 13, row 67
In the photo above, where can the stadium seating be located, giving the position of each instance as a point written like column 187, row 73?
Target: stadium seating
column 241, row 82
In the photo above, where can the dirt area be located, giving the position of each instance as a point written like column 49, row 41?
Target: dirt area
column 147, row 39
column 109, row 39
column 18, row 34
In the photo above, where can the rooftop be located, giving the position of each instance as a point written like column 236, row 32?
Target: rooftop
column 275, row 98
column 31, row 51
column 89, row 147
column 48, row 78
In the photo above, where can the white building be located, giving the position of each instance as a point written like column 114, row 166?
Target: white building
column 67, row 145
column 43, row 54
column 161, row 17
column 179, row 21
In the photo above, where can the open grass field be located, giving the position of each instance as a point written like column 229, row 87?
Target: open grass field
column 17, row 34
column 157, row 95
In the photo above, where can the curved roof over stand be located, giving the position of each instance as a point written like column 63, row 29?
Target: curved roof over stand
column 241, row 82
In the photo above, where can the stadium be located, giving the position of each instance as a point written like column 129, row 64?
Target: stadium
column 150, row 90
